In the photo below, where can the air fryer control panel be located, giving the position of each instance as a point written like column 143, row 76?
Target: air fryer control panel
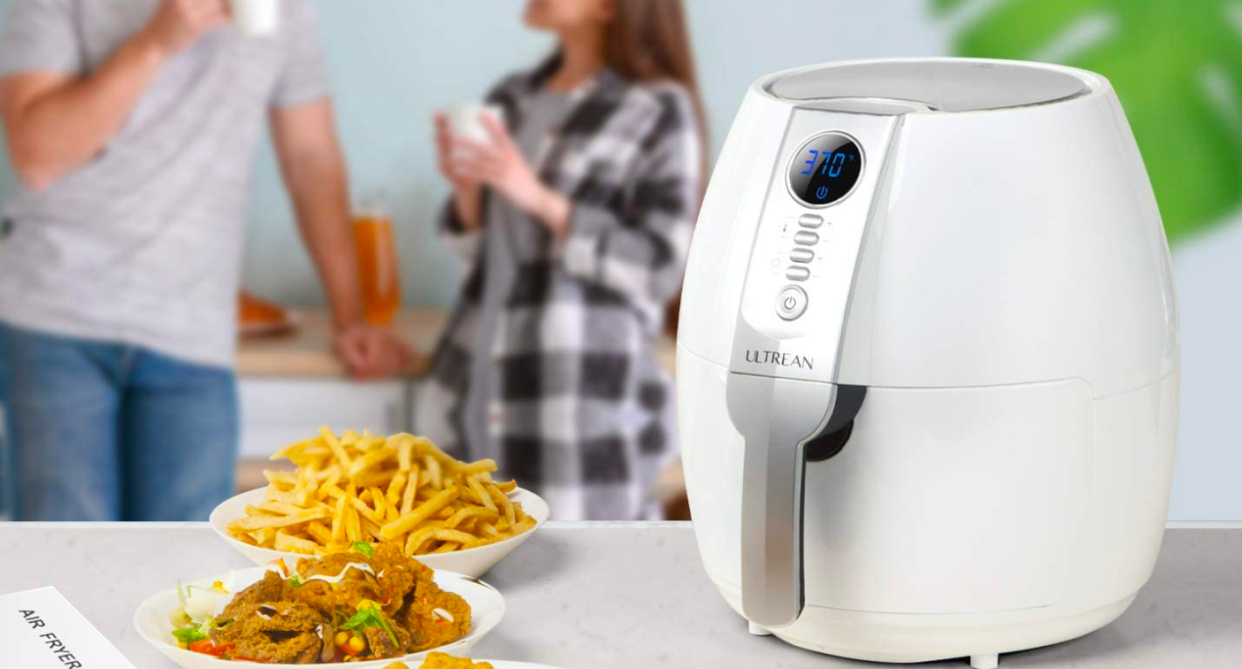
column 803, row 260
column 825, row 170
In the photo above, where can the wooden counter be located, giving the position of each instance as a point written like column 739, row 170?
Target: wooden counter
column 307, row 352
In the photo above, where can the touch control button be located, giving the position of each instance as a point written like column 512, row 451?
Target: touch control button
column 806, row 238
column 810, row 221
column 802, row 255
column 797, row 274
column 791, row 303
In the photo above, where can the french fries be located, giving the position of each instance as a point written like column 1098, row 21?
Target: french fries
column 400, row 490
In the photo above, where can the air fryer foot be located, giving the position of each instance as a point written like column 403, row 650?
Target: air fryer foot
column 984, row 661
column 757, row 630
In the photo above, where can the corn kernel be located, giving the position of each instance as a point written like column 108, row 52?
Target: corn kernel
column 342, row 638
column 357, row 645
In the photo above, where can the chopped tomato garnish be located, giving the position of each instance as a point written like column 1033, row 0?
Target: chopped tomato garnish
column 207, row 647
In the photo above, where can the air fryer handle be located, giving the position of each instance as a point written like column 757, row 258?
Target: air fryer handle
column 776, row 417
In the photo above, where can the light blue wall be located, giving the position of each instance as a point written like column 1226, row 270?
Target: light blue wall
column 395, row 61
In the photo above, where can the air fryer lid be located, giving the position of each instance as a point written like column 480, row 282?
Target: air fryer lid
column 941, row 85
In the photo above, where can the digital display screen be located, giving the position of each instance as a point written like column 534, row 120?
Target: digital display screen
column 825, row 169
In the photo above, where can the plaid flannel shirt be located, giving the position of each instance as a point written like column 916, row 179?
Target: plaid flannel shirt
column 580, row 410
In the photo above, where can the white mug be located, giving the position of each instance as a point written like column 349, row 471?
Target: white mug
column 256, row 18
column 466, row 121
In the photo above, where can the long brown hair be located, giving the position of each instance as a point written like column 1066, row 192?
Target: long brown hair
column 648, row 40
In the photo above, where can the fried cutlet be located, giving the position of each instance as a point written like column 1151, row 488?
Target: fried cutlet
column 442, row 661
column 435, row 617
column 275, row 632
column 270, row 589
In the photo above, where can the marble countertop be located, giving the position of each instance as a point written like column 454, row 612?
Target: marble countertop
column 630, row 596
column 307, row 351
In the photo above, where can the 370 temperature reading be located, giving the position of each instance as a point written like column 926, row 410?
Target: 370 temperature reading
column 834, row 162
column 825, row 169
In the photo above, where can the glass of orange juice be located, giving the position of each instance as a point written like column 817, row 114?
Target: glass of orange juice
column 377, row 259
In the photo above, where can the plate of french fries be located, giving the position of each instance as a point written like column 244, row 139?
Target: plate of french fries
column 354, row 491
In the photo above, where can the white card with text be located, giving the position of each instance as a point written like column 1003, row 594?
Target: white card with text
column 40, row 629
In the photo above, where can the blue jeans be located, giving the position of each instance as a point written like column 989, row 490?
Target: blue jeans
column 100, row 432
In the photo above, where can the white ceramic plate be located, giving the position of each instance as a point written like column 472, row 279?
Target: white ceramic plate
column 152, row 621
column 470, row 562
column 500, row 664
column 292, row 321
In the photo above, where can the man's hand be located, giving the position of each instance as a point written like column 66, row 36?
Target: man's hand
column 371, row 353
column 56, row 122
column 177, row 24
column 314, row 171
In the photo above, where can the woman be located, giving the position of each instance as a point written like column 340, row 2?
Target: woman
column 575, row 220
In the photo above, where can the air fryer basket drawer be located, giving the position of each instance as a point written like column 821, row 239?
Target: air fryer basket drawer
column 952, row 501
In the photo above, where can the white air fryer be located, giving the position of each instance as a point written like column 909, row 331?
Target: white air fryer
column 928, row 361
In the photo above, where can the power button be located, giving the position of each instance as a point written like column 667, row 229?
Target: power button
column 791, row 303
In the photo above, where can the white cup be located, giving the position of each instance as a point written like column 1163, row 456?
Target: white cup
column 256, row 18
column 466, row 121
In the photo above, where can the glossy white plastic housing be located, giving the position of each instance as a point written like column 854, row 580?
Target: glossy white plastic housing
column 1002, row 289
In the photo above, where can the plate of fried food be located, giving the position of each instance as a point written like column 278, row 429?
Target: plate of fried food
column 361, row 491
column 445, row 661
column 257, row 317
column 363, row 609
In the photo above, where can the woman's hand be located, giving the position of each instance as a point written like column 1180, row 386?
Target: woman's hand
column 466, row 192
column 501, row 166
column 371, row 353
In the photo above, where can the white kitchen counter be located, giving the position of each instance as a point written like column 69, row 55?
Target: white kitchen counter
column 630, row 596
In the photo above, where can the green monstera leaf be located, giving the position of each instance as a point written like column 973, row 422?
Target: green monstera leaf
column 1177, row 67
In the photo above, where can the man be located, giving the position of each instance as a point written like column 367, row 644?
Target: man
column 132, row 126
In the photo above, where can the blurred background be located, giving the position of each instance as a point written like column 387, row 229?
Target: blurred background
column 1177, row 68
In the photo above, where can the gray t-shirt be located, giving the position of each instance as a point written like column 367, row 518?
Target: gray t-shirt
column 142, row 245
column 511, row 236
